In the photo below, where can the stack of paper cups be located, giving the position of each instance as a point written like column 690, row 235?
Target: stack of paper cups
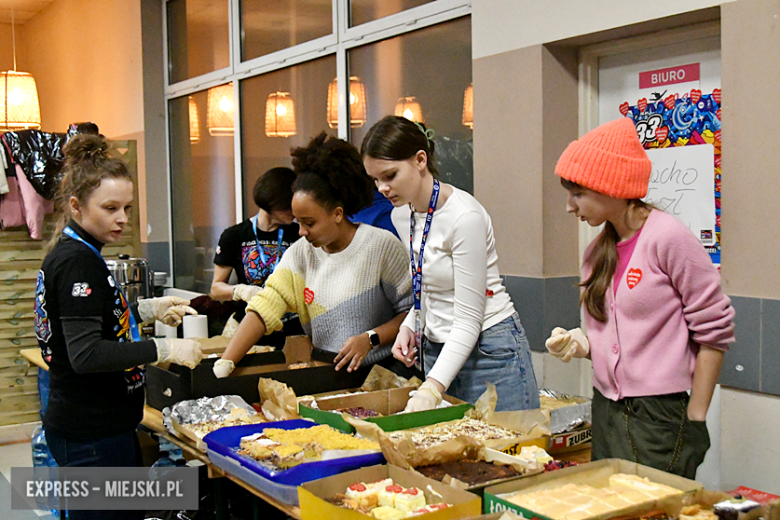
column 161, row 330
column 196, row 326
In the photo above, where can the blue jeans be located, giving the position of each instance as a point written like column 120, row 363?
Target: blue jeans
column 501, row 357
column 120, row 451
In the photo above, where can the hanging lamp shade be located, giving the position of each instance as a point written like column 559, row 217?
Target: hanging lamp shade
column 19, row 107
column 358, row 107
column 219, row 110
column 194, row 122
column 279, row 115
column 409, row 108
column 468, row 107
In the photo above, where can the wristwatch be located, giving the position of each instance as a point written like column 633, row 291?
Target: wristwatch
column 373, row 338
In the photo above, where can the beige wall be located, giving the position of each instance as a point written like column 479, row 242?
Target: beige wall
column 751, row 140
column 86, row 59
column 6, row 48
column 505, row 25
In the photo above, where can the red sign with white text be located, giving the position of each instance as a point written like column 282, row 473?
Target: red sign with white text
column 669, row 76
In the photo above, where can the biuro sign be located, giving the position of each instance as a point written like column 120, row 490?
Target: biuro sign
column 669, row 76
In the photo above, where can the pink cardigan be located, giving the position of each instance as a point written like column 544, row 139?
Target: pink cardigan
column 668, row 302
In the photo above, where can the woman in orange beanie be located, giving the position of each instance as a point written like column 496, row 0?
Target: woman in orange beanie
column 657, row 321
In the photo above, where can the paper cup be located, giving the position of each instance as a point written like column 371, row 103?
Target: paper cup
column 196, row 326
column 161, row 330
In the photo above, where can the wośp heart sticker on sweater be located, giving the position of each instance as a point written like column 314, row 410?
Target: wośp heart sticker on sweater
column 308, row 295
column 633, row 277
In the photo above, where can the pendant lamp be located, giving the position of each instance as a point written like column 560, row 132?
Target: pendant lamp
column 279, row 115
column 220, row 110
column 19, row 107
column 194, row 121
column 357, row 103
column 468, row 107
column 409, row 108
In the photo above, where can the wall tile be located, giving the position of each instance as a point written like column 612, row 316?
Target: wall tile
column 770, row 346
column 742, row 364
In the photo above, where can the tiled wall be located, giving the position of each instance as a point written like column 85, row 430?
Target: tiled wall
column 544, row 303
column 753, row 362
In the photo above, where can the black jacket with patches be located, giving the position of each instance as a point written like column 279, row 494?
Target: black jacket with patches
column 83, row 328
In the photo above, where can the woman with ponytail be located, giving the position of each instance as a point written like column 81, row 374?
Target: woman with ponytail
column 87, row 332
column 464, row 326
column 657, row 321
column 347, row 282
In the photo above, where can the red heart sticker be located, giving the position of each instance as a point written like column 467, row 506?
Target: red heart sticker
column 716, row 95
column 717, row 113
column 717, row 136
column 642, row 104
column 661, row 134
column 633, row 277
column 669, row 102
column 695, row 95
column 308, row 295
column 624, row 108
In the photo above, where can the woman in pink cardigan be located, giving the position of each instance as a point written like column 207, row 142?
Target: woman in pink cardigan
column 657, row 321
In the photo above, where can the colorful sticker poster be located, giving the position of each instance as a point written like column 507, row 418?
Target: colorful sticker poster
column 690, row 119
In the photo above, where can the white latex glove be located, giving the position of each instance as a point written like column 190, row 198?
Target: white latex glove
column 245, row 292
column 180, row 351
column 167, row 309
column 427, row 397
column 223, row 368
column 566, row 344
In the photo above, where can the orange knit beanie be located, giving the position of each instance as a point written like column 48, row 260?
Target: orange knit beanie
column 608, row 159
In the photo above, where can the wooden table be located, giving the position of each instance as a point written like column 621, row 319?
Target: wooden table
column 153, row 420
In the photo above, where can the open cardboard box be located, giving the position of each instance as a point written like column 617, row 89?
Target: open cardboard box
column 595, row 474
column 386, row 402
column 166, row 387
column 313, row 496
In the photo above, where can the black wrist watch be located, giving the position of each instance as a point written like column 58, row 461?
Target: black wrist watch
column 373, row 338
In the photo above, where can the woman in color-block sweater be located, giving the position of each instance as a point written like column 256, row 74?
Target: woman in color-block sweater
column 472, row 334
column 657, row 321
column 348, row 282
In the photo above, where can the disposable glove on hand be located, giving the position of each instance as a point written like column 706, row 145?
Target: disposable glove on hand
column 180, row 351
column 167, row 309
column 223, row 368
column 245, row 292
column 427, row 397
column 566, row 344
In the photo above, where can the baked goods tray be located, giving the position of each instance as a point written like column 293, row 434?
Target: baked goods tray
column 282, row 485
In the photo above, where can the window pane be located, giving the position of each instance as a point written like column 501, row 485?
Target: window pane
column 198, row 37
column 302, row 90
column 432, row 66
column 202, row 184
column 272, row 26
column 363, row 11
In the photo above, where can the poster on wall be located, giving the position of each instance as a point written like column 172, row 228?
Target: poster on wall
column 679, row 126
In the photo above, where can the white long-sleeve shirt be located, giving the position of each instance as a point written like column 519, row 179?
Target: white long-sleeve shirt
column 462, row 292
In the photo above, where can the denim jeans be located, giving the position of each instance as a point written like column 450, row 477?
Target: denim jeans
column 119, row 452
column 501, row 357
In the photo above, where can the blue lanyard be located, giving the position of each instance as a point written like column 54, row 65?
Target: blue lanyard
column 417, row 270
column 133, row 324
column 263, row 258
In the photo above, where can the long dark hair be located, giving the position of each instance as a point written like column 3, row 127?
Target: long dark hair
column 603, row 258
column 330, row 170
column 87, row 163
column 396, row 138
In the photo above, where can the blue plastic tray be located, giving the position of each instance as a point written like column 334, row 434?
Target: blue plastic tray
column 225, row 440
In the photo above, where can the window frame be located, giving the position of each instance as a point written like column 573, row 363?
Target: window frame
column 339, row 43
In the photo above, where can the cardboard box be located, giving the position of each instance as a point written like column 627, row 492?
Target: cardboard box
column 557, row 443
column 178, row 383
column 562, row 418
column 313, row 496
column 386, row 402
column 595, row 474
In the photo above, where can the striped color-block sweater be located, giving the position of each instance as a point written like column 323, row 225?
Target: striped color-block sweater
column 342, row 294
